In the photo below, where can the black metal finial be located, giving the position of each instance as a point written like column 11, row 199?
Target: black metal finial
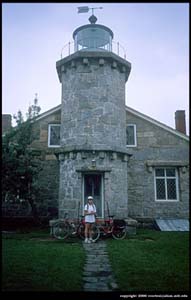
column 92, row 19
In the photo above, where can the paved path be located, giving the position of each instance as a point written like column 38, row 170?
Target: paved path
column 98, row 275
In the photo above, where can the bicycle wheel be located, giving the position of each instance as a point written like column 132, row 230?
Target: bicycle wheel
column 119, row 233
column 61, row 231
column 80, row 231
column 95, row 232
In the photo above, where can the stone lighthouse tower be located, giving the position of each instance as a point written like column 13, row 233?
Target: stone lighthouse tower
column 93, row 156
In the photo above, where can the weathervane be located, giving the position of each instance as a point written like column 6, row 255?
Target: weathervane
column 84, row 9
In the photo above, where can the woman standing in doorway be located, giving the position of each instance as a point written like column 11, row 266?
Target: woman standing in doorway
column 89, row 212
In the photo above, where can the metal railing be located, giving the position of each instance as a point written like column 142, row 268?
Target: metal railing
column 117, row 48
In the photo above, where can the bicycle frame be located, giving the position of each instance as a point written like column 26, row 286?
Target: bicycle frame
column 65, row 228
column 110, row 229
column 107, row 227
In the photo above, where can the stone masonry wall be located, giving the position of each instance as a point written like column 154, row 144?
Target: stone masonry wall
column 113, row 167
column 49, row 187
column 49, row 176
column 128, row 183
column 40, row 131
column 93, row 120
column 155, row 144
column 93, row 106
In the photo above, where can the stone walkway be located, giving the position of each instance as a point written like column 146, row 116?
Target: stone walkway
column 98, row 275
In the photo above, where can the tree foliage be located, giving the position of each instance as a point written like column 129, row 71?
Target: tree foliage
column 20, row 167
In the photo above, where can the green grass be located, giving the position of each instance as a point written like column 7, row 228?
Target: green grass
column 29, row 264
column 151, row 261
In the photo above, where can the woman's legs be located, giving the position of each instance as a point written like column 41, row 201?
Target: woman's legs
column 90, row 231
column 87, row 226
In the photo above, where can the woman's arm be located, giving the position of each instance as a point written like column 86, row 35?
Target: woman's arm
column 86, row 213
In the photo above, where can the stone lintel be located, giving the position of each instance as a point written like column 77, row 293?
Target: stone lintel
column 183, row 165
column 164, row 163
column 99, row 169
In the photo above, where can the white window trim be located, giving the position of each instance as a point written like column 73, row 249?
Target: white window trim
column 49, row 127
column 135, row 135
column 172, row 177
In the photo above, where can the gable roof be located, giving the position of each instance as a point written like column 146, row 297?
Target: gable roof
column 157, row 123
column 130, row 110
column 48, row 112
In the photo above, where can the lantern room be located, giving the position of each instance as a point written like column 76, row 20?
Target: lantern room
column 93, row 37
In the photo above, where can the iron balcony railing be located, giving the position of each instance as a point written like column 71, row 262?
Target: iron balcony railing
column 116, row 48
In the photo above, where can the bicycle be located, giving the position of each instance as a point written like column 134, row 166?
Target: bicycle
column 65, row 228
column 113, row 227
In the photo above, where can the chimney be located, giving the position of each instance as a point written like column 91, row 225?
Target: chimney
column 180, row 122
column 6, row 123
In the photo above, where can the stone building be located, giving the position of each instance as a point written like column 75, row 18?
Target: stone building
column 6, row 123
column 93, row 144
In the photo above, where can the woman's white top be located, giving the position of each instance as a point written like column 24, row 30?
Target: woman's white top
column 90, row 208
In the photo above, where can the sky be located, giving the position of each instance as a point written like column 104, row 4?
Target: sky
column 155, row 38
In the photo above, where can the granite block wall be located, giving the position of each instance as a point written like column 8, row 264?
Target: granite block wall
column 156, row 147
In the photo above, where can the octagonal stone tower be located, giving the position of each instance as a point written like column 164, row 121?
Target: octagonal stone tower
column 93, row 156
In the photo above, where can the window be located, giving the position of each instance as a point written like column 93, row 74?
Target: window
column 131, row 135
column 54, row 135
column 166, row 184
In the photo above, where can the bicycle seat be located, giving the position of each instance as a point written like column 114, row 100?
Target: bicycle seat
column 112, row 216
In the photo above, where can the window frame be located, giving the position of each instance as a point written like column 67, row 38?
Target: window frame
column 135, row 135
column 165, row 177
column 49, row 131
